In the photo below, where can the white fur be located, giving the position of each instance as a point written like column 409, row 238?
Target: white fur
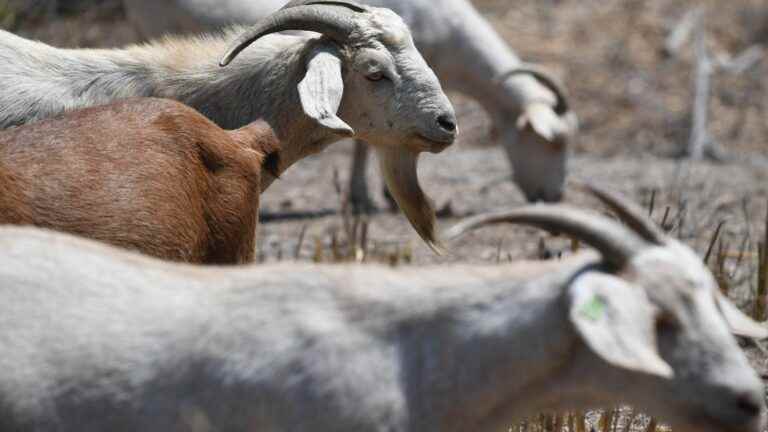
column 95, row 339
column 466, row 53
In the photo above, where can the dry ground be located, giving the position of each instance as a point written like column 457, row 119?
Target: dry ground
column 634, row 105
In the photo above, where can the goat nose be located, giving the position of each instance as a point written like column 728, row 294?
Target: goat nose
column 447, row 122
column 534, row 197
column 552, row 197
column 750, row 404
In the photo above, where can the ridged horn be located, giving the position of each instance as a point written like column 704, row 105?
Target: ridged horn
column 354, row 6
column 327, row 18
column 615, row 242
column 561, row 106
column 629, row 213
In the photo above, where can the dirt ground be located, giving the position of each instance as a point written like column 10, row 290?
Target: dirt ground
column 634, row 106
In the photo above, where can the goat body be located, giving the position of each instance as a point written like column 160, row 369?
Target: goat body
column 468, row 55
column 98, row 339
column 147, row 174
column 312, row 90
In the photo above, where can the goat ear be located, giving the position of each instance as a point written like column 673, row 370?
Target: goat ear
column 556, row 130
column 321, row 91
column 739, row 323
column 617, row 322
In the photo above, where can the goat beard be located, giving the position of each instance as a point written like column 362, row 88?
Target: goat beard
column 399, row 168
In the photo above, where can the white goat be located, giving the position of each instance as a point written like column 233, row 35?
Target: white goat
column 528, row 109
column 364, row 70
column 97, row 339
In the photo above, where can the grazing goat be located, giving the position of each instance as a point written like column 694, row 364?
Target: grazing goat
column 147, row 174
column 529, row 111
column 363, row 78
column 97, row 339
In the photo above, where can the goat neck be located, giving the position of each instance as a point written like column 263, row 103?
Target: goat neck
column 274, row 99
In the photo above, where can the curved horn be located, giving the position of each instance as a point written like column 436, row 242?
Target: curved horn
column 329, row 21
column 546, row 78
column 616, row 243
column 357, row 7
column 629, row 213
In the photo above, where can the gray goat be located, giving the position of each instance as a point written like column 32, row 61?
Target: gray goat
column 363, row 78
column 99, row 339
column 529, row 110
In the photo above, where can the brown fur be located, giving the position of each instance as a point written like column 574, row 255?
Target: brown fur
column 151, row 175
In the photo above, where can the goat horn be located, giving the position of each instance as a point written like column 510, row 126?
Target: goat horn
column 615, row 242
column 629, row 213
column 546, row 78
column 356, row 7
column 320, row 18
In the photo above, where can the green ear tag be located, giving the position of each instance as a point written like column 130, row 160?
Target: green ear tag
column 594, row 309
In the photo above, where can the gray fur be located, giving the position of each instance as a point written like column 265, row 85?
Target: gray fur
column 467, row 55
column 42, row 81
column 94, row 339
column 400, row 114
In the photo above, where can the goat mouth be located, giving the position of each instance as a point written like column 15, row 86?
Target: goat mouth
column 543, row 198
column 433, row 144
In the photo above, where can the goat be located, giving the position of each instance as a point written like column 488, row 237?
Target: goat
column 155, row 176
column 98, row 339
column 529, row 110
column 363, row 78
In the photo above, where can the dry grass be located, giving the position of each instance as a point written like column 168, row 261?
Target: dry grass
column 345, row 241
column 620, row 419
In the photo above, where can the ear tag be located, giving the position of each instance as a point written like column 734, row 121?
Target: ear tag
column 594, row 309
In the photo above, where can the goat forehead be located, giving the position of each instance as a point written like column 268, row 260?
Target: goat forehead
column 389, row 28
column 678, row 282
column 672, row 266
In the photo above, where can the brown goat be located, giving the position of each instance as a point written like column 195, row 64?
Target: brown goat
column 147, row 174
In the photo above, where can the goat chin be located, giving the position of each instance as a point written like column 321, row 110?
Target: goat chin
column 138, row 342
column 399, row 169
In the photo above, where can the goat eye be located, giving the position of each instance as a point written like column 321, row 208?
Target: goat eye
column 375, row 76
column 665, row 321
